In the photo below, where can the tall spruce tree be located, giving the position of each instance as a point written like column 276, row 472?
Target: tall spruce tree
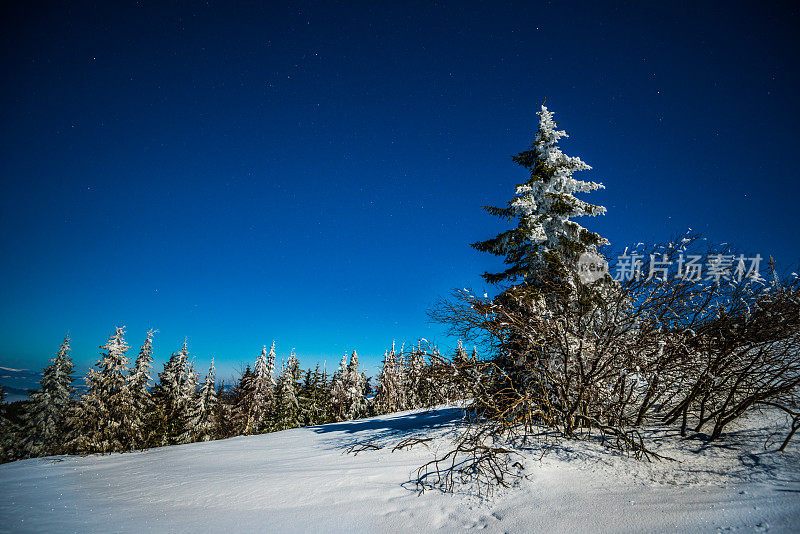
column 207, row 407
column 44, row 422
column 243, row 401
column 546, row 243
column 271, row 365
column 224, row 414
column 355, row 391
column 322, row 396
column 390, row 394
column 457, row 387
column 304, row 396
column 338, row 393
column 287, row 413
column 103, row 419
column 141, row 397
column 169, row 397
column 416, row 379
column 541, row 280
column 263, row 392
column 313, row 398
column 190, row 403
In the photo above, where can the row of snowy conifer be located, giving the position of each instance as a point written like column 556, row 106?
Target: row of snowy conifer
column 122, row 409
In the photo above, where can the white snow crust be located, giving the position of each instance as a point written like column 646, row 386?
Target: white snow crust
column 302, row 480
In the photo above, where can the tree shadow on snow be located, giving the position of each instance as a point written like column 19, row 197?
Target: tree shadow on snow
column 377, row 429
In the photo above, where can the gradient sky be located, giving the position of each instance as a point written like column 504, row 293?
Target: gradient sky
column 313, row 173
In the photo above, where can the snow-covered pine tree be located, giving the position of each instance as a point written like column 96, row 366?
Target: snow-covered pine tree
column 103, row 418
column 416, row 384
column 10, row 434
column 461, row 352
column 297, row 373
column 207, row 407
column 357, row 405
column 304, row 397
column 44, row 422
column 141, row 397
column 338, row 396
column 457, row 385
column 287, row 412
column 313, row 398
column 390, row 394
column 271, row 366
column 322, row 396
column 168, row 396
column 383, row 397
column 263, row 393
column 369, row 392
column 190, row 403
column 545, row 245
column 242, row 401
column 405, row 379
column 224, row 414
column 436, row 387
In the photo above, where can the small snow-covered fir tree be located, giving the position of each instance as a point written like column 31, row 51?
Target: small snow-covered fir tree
column 545, row 245
column 141, row 398
column 103, row 419
column 225, row 423
column 304, row 395
column 390, row 394
column 313, row 398
column 263, row 392
column 207, row 407
column 461, row 353
column 338, row 395
column 169, row 395
column 415, row 378
column 243, row 401
column 321, row 397
column 44, row 422
column 458, row 384
column 355, row 391
column 190, row 403
column 287, row 412
column 271, row 366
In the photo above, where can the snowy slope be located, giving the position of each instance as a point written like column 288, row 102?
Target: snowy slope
column 300, row 481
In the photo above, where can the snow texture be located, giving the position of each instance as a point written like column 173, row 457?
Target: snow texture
column 301, row 480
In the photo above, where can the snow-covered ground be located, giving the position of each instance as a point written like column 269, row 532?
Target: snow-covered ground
column 301, row 481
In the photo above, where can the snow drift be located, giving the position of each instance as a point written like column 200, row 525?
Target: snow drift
column 302, row 480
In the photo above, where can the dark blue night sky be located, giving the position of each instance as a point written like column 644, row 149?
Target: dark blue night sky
column 313, row 173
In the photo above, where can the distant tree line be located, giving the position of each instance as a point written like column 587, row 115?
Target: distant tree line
column 123, row 409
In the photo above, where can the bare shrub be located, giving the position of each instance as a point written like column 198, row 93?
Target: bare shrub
column 612, row 356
